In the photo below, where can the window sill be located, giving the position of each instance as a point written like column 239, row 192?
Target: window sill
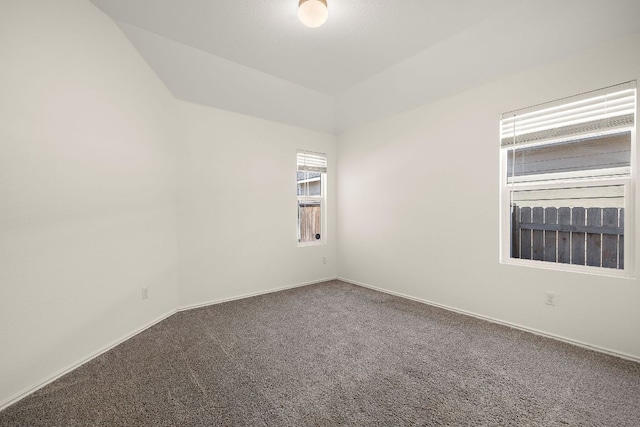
column 571, row 268
column 306, row 244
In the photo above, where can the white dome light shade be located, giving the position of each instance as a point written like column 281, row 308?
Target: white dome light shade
column 313, row 13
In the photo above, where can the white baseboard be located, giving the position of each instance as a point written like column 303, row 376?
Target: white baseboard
column 252, row 294
column 24, row 393
column 500, row 322
column 18, row 396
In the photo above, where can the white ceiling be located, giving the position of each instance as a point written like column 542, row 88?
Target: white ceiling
column 255, row 57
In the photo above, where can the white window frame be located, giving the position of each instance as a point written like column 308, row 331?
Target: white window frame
column 321, row 199
column 619, row 176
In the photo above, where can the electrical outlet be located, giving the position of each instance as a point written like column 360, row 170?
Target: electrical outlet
column 145, row 292
column 550, row 298
column 324, row 259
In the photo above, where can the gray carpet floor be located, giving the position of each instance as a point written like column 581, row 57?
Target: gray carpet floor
column 334, row 354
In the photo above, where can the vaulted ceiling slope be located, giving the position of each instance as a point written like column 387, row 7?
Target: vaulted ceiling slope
column 371, row 58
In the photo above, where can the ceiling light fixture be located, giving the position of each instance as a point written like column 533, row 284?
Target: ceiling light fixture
column 313, row 13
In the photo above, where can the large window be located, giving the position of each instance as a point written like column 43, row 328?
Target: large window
column 567, row 182
column 312, row 168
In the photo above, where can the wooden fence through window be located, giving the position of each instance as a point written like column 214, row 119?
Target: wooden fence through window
column 592, row 236
column 309, row 222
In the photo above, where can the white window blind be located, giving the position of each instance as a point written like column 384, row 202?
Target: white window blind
column 312, row 162
column 604, row 111
column 587, row 135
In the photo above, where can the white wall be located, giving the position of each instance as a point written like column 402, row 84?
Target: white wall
column 87, row 189
column 237, row 206
column 418, row 208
